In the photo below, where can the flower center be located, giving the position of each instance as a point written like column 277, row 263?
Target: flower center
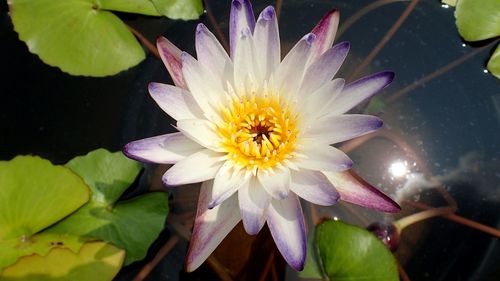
column 258, row 132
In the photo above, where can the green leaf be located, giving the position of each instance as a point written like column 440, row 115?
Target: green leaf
column 108, row 174
column 35, row 194
column 96, row 261
column 494, row 63
column 478, row 20
column 133, row 224
column 351, row 253
column 179, row 9
column 40, row 244
column 77, row 36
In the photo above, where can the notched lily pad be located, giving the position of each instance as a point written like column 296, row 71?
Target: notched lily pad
column 133, row 224
column 35, row 194
column 348, row 252
column 77, row 36
column 96, row 261
column 40, row 244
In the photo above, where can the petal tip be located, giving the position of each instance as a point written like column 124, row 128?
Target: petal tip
column 268, row 13
column 200, row 28
column 310, row 38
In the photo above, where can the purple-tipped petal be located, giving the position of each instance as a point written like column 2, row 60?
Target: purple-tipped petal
column 360, row 90
column 175, row 101
column 322, row 157
column 324, row 68
column 210, row 226
column 226, row 183
column 275, row 182
column 354, row 189
column 164, row 149
column 254, row 201
column 314, row 187
column 241, row 17
column 210, row 52
column 200, row 166
column 171, row 57
column 338, row 128
column 288, row 76
column 266, row 37
column 286, row 223
column 325, row 32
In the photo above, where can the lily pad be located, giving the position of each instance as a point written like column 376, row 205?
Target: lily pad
column 40, row 244
column 478, row 20
column 144, row 7
column 133, row 224
column 494, row 63
column 78, row 36
column 34, row 195
column 95, row 261
column 348, row 252
column 179, row 9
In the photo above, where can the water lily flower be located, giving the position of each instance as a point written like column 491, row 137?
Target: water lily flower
column 257, row 130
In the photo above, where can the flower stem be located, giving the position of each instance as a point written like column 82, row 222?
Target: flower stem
column 360, row 13
column 461, row 220
column 411, row 219
column 384, row 39
column 146, row 270
column 150, row 46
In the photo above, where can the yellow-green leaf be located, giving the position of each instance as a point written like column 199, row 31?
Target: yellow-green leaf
column 35, row 194
column 96, row 261
column 494, row 63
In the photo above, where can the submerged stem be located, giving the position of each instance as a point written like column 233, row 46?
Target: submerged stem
column 411, row 219
column 150, row 46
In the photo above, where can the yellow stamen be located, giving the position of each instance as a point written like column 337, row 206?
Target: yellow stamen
column 258, row 132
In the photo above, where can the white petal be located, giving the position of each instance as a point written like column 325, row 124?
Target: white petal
column 314, row 187
column 253, row 200
column 323, row 69
column 286, row 223
column 322, row 157
column 210, row 226
column 276, row 181
column 198, row 167
column 210, row 52
column 317, row 103
column 288, row 76
column 360, row 90
column 247, row 75
column 207, row 89
column 175, row 101
column 201, row 131
column 267, row 42
column 337, row 128
column 164, row 149
column 355, row 190
column 226, row 182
